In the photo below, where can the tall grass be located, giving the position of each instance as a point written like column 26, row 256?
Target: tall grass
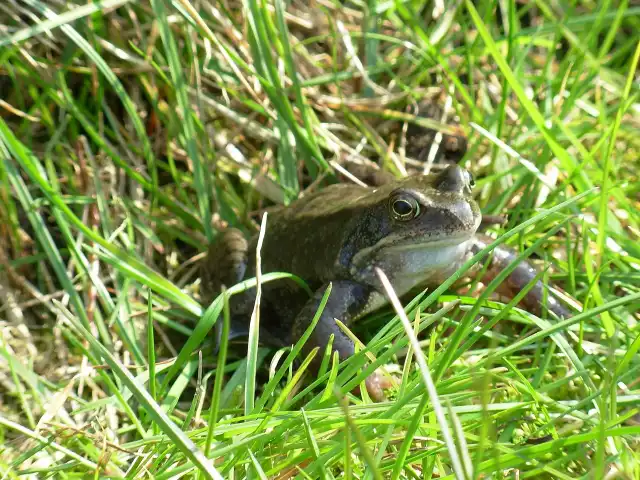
column 131, row 133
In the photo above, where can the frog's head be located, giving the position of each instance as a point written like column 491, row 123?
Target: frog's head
column 418, row 229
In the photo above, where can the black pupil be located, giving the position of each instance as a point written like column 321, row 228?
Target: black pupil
column 402, row 208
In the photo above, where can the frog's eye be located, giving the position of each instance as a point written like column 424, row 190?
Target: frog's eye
column 404, row 207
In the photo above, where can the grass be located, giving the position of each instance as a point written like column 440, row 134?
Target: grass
column 130, row 133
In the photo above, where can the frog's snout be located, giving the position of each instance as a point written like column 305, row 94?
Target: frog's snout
column 467, row 216
column 455, row 179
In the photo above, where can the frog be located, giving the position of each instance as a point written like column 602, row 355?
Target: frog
column 418, row 230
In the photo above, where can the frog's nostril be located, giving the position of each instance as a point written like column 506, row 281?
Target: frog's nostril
column 453, row 179
column 471, row 180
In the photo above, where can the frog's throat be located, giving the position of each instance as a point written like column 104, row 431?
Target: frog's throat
column 408, row 266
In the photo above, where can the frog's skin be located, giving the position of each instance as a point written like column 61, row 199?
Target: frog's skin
column 418, row 231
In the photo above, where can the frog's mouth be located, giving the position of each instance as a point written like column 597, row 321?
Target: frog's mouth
column 391, row 244
column 411, row 257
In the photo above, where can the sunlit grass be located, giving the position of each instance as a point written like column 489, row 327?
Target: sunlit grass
column 130, row 133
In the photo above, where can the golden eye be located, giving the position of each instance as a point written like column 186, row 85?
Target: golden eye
column 404, row 207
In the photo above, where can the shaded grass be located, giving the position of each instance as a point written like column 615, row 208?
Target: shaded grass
column 123, row 129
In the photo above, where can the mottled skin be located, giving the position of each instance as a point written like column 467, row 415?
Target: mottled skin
column 418, row 231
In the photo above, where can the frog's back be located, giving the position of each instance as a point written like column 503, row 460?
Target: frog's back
column 306, row 237
column 323, row 203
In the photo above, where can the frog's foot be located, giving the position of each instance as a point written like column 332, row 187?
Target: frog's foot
column 376, row 384
column 491, row 220
column 346, row 301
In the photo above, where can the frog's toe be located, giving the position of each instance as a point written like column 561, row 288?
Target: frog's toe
column 376, row 384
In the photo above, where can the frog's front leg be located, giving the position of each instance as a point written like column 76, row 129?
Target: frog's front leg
column 518, row 279
column 346, row 300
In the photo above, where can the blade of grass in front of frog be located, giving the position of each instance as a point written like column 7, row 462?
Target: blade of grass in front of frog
column 481, row 329
column 392, row 329
column 372, row 468
column 326, row 357
column 282, row 397
column 456, row 461
column 220, row 364
column 354, row 370
column 479, row 302
column 326, row 381
column 385, row 336
column 284, row 368
column 254, row 326
column 418, row 327
column 293, row 354
column 463, row 330
column 334, row 358
column 408, row 360
column 210, row 316
column 155, row 411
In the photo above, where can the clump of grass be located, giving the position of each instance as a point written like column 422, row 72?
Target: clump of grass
column 131, row 133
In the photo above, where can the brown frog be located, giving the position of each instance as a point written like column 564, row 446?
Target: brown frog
column 418, row 230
